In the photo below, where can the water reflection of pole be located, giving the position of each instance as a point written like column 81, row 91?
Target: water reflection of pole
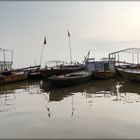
column 47, row 105
column 7, row 102
column 89, row 97
column 118, row 91
column 72, row 106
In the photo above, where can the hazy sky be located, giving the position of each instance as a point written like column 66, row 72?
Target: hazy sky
column 102, row 27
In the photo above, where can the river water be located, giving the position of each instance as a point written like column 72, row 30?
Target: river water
column 97, row 109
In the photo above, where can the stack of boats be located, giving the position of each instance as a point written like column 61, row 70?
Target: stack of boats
column 107, row 67
column 76, row 74
column 61, row 69
column 66, row 75
column 73, row 73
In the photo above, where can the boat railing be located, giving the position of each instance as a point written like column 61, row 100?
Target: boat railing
column 65, row 66
column 33, row 68
column 2, row 63
column 107, row 59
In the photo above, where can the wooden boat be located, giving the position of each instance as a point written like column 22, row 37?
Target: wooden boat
column 34, row 72
column 69, row 79
column 103, row 69
column 102, row 74
column 13, row 76
column 61, row 70
column 130, row 74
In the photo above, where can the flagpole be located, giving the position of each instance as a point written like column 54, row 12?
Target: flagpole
column 70, row 47
column 42, row 50
column 41, row 55
column 4, row 58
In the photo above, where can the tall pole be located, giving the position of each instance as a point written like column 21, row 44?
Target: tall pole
column 133, row 58
column 4, row 58
column 118, row 59
column 42, row 50
column 41, row 55
column 137, row 58
column 70, row 47
column 12, row 57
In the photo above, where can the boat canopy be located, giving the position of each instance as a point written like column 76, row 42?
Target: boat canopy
column 55, row 63
column 133, row 52
column 6, row 57
column 128, row 50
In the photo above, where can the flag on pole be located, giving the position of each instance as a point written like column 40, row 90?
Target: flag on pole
column 68, row 33
column 44, row 41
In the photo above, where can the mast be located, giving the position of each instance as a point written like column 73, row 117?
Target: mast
column 69, row 46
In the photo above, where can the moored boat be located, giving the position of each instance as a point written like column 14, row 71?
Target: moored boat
column 103, row 69
column 34, row 72
column 69, row 79
column 61, row 70
column 12, row 76
column 129, row 69
column 130, row 74
column 102, row 74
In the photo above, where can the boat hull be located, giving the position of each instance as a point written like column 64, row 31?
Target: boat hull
column 103, row 74
column 65, row 80
column 130, row 74
column 50, row 72
column 34, row 72
column 35, row 75
column 13, row 78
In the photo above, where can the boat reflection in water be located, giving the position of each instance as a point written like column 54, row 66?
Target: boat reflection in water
column 116, row 90
column 128, row 92
column 113, row 89
column 7, row 102
column 58, row 113
column 9, row 91
column 92, row 93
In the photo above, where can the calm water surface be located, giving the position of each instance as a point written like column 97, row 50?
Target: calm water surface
column 97, row 109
